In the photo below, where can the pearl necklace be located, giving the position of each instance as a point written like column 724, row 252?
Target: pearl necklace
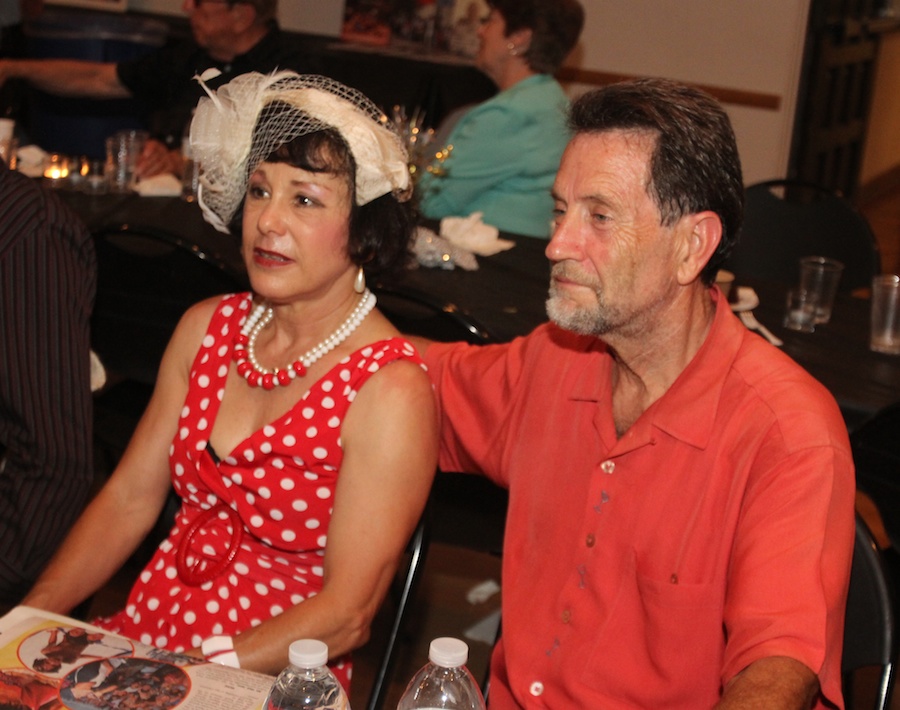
column 256, row 375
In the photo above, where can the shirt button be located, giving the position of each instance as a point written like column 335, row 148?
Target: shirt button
column 589, row 540
column 608, row 466
column 537, row 688
column 566, row 615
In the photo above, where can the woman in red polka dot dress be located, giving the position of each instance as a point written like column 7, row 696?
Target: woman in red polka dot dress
column 297, row 427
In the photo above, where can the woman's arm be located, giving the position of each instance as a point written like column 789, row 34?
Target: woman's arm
column 125, row 509
column 390, row 453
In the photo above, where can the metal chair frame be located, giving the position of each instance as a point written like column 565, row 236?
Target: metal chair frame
column 410, row 577
column 870, row 623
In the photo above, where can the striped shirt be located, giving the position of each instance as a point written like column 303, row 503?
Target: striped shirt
column 48, row 277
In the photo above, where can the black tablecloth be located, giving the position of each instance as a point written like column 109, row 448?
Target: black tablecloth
column 837, row 353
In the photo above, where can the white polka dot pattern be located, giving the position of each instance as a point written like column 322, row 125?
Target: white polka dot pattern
column 280, row 482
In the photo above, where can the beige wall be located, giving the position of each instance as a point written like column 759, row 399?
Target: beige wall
column 732, row 44
column 882, row 154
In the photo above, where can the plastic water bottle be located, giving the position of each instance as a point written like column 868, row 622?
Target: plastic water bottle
column 307, row 682
column 444, row 682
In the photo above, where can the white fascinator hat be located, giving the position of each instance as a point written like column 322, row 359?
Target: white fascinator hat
column 229, row 141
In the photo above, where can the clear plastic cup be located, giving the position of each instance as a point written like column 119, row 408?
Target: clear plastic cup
column 885, row 331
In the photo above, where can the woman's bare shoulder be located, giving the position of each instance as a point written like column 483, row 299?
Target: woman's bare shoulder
column 192, row 328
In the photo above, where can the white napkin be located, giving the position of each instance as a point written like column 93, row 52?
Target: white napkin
column 434, row 251
column 164, row 185
column 474, row 235
column 30, row 160
column 98, row 373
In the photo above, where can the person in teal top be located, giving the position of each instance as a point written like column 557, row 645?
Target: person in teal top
column 505, row 151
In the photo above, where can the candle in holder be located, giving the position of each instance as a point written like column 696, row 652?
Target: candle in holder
column 56, row 169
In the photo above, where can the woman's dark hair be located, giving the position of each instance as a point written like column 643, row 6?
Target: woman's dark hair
column 555, row 27
column 381, row 231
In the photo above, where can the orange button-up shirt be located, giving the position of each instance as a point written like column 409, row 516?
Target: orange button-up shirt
column 647, row 570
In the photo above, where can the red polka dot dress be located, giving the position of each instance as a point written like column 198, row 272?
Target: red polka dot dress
column 250, row 537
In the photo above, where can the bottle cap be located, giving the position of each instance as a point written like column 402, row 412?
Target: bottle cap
column 448, row 652
column 308, row 653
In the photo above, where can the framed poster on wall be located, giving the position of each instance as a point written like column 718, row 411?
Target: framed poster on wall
column 435, row 24
column 110, row 5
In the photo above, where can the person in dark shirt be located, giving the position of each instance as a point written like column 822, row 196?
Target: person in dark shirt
column 232, row 36
column 47, row 281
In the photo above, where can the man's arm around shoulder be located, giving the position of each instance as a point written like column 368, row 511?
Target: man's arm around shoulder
column 67, row 77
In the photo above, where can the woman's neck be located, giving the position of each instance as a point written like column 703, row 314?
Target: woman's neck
column 513, row 74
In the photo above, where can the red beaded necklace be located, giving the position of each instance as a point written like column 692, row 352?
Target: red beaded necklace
column 244, row 353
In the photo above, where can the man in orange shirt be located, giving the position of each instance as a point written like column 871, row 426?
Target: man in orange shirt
column 680, row 525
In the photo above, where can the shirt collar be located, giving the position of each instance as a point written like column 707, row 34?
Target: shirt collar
column 688, row 409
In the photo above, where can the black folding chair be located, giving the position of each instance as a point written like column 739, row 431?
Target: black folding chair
column 876, row 454
column 869, row 625
column 147, row 278
column 459, row 504
column 408, row 577
column 785, row 220
column 418, row 313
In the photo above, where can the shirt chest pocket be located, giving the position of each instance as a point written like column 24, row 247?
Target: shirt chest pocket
column 661, row 644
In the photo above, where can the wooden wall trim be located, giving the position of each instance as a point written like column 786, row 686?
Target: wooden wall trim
column 879, row 187
column 739, row 97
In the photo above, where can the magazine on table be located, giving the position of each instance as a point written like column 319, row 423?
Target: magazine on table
column 48, row 661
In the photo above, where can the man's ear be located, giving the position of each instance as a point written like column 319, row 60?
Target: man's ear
column 702, row 234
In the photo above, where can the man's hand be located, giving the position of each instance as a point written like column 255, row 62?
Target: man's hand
column 156, row 159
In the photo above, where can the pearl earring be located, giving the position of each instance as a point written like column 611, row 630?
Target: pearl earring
column 359, row 285
column 513, row 50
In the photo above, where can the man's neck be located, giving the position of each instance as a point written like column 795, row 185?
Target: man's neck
column 647, row 363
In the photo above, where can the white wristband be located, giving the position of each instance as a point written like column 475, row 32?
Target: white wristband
column 220, row 649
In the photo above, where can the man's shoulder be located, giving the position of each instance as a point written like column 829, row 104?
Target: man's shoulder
column 546, row 343
column 799, row 406
column 283, row 50
column 182, row 57
column 29, row 208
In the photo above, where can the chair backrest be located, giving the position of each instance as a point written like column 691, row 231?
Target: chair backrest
column 464, row 510
column 876, row 455
column 408, row 578
column 785, row 220
column 417, row 313
column 869, row 625
column 146, row 280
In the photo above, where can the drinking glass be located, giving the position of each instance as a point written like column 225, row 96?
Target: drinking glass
column 123, row 149
column 885, row 333
column 800, row 311
column 819, row 276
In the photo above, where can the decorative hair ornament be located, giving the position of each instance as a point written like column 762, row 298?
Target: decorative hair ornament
column 229, row 145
